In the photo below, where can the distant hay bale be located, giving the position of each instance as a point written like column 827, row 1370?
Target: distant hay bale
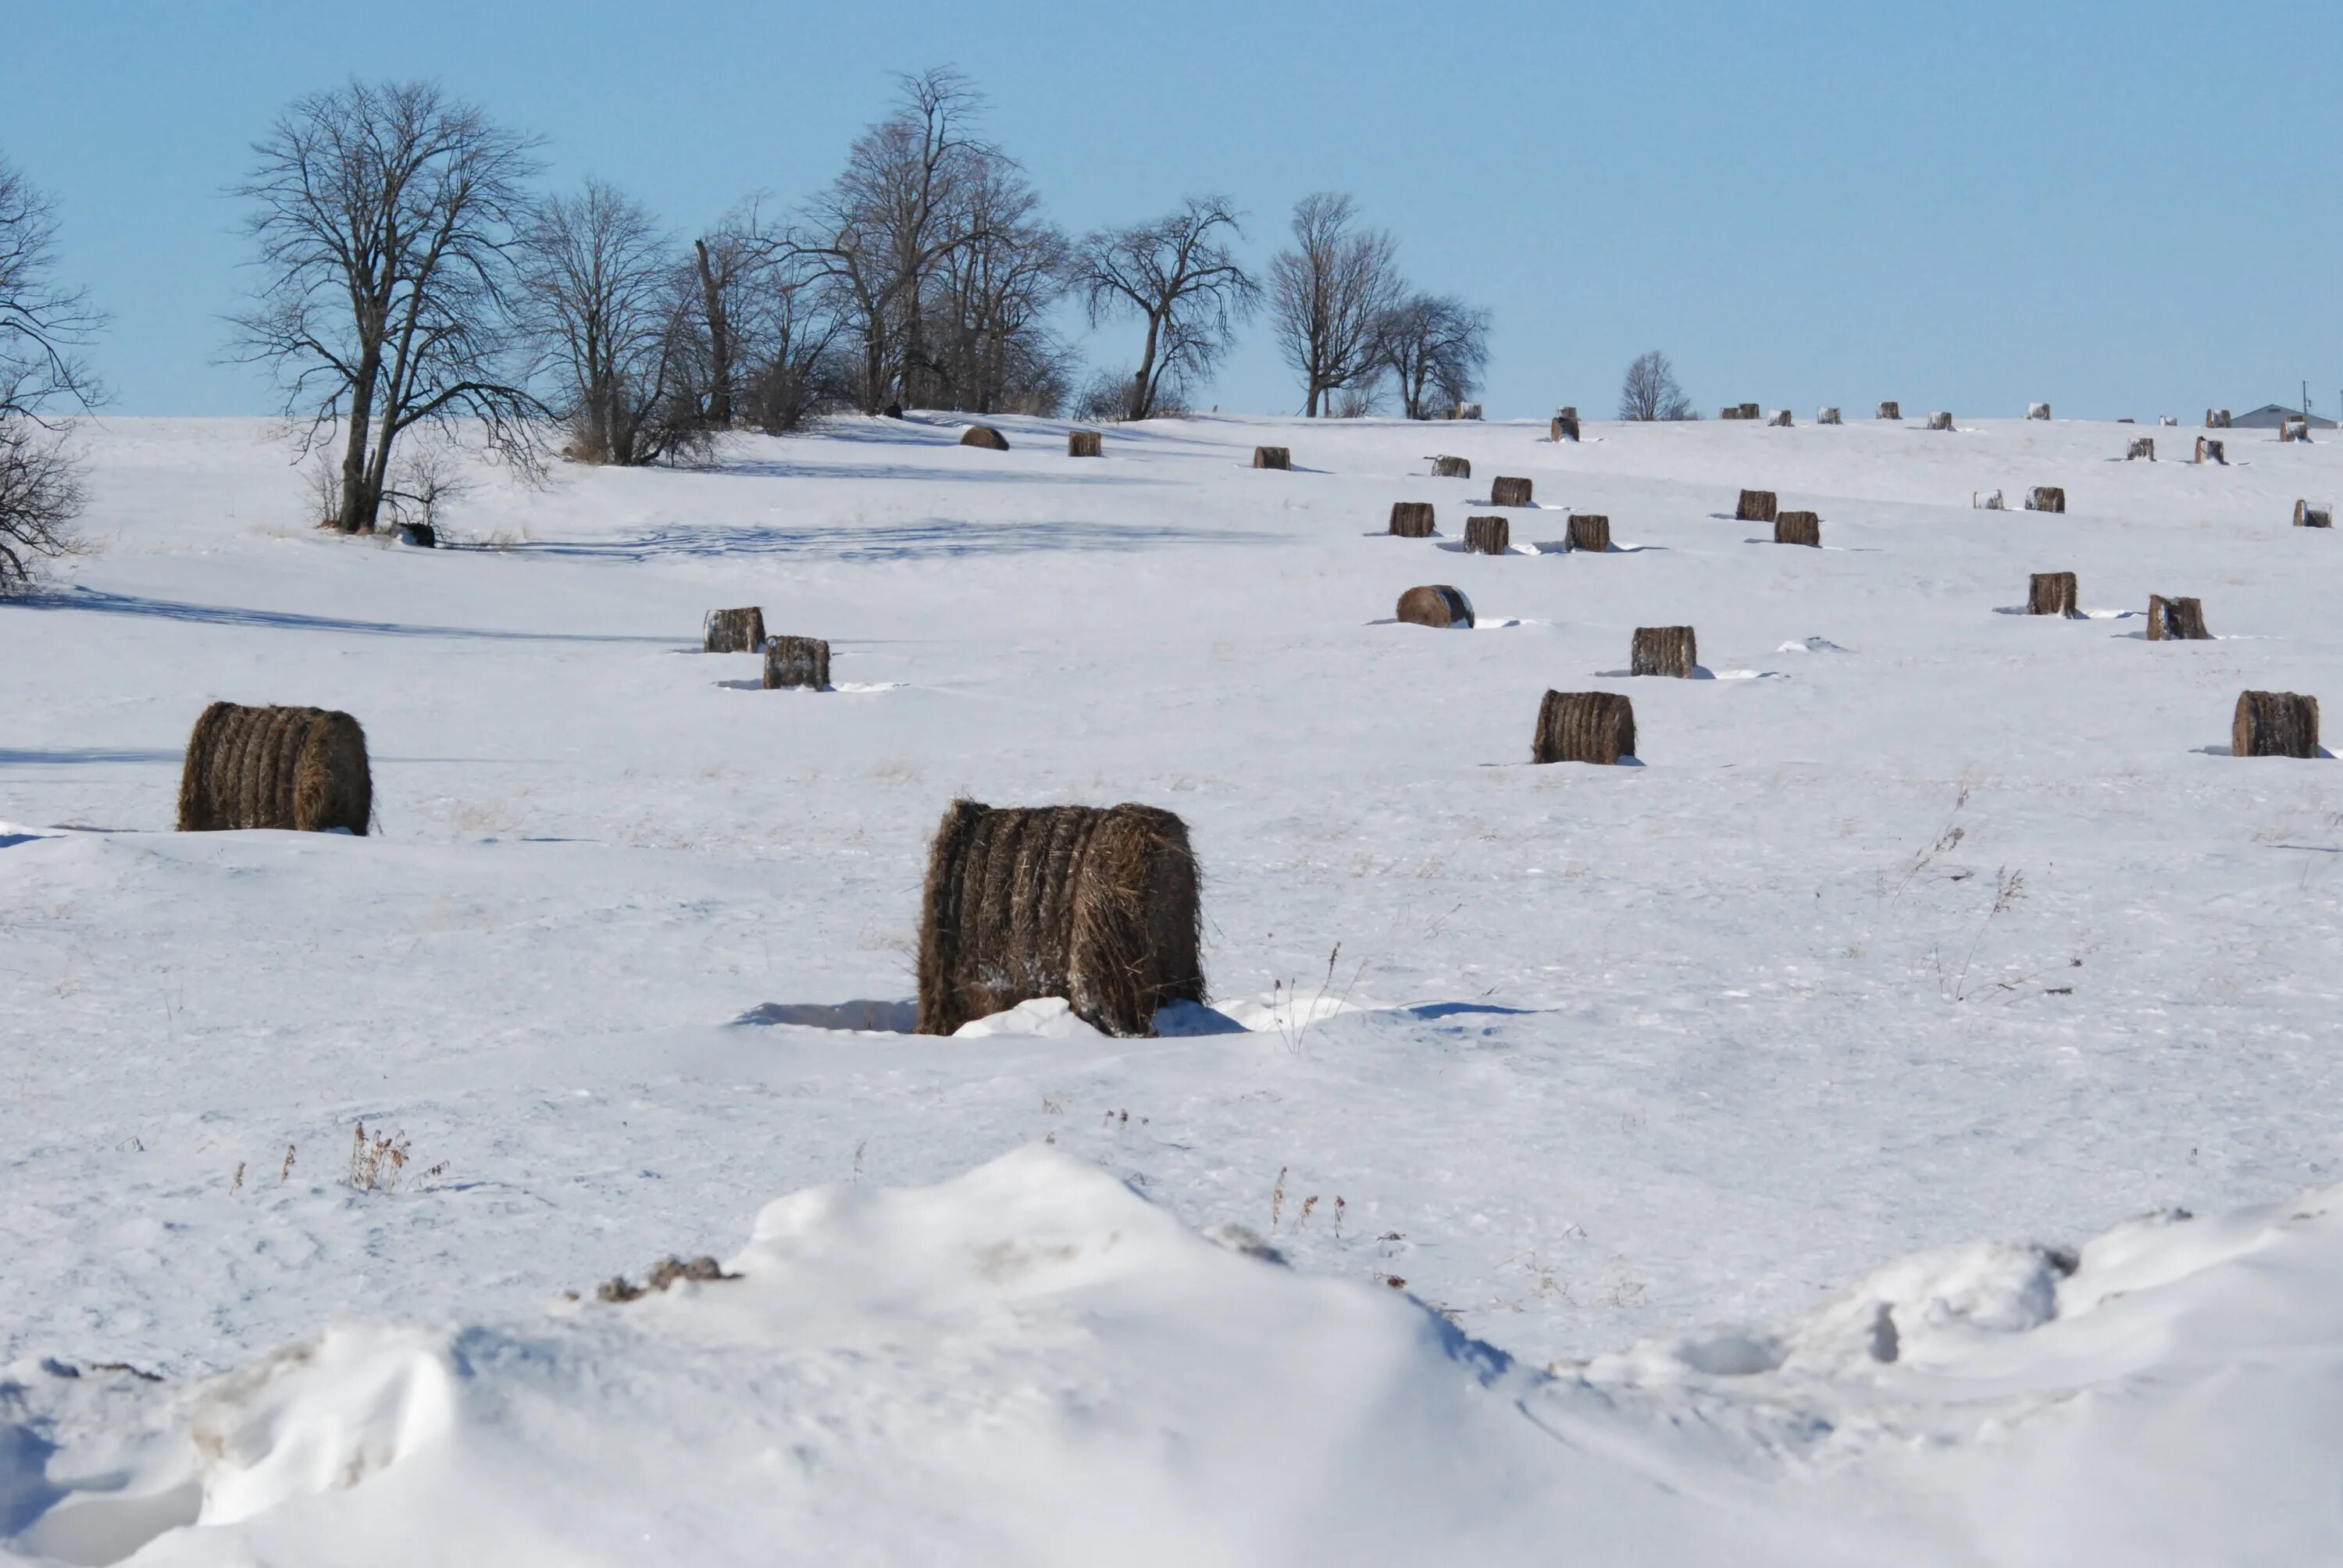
column 2037, row 411
column 422, row 535
column 1799, row 529
column 986, row 437
column 1446, row 467
column 2141, row 447
column 2209, row 451
column 1597, row 726
column 2051, row 593
column 1097, row 905
column 299, row 767
column 2217, row 418
column 1829, row 416
column 1567, row 411
column 1754, row 507
column 1436, row 604
column 1780, row 421
column 2294, row 430
column 1940, row 420
column 1412, row 519
column 1505, row 492
column 1890, row 411
column 1985, row 503
column 2168, row 419
column 2046, row 499
column 1487, row 536
column 2307, row 515
column 2175, row 621
column 1085, row 444
column 1664, row 650
column 2275, row 724
column 1589, row 531
column 1751, row 411
column 1564, row 428
column 733, row 630
column 797, row 661
column 1271, row 458
column 1466, row 411
column 1730, row 411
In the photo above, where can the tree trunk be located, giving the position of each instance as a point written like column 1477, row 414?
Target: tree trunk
column 720, row 342
column 355, row 515
column 1142, row 385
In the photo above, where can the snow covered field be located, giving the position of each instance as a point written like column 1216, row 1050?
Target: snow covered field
column 1922, row 929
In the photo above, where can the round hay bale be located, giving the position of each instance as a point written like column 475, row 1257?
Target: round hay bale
column 1597, row 726
column 791, row 661
column 2037, row 411
column 2210, row 451
column 1412, row 519
column 1799, row 529
column 2307, row 515
column 2051, row 593
column 1780, row 421
column 2217, row 418
column 1098, row 906
column 1436, row 604
column 1487, row 536
column 1446, row 467
column 2168, row 419
column 303, row 769
column 1756, row 507
column 422, row 535
column 1271, row 458
column 733, row 630
column 1505, row 492
column 2141, row 447
column 1751, row 411
column 1829, row 416
column 1890, row 411
column 1589, row 531
column 2274, row 724
column 1564, row 428
column 894, row 410
column 1941, row 420
column 2046, row 499
column 986, row 437
column 1663, row 650
column 2175, row 621
column 1730, row 411
column 1567, row 411
column 1985, row 503
column 1085, row 444
column 2294, row 430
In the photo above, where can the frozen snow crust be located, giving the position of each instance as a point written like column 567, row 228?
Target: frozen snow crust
column 1956, row 925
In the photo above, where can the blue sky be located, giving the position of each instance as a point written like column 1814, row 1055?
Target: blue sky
column 2126, row 209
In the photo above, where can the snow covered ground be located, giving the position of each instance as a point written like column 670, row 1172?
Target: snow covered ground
column 1945, row 932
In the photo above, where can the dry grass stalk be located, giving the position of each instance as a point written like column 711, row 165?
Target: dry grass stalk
column 1098, row 906
column 2209, row 451
column 733, row 630
column 299, row 767
column 1890, row 411
column 2141, row 447
column 1589, row 531
column 1505, row 492
column 1597, row 726
column 2046, row 499
column 2051, row 593
column 986, row 437
column 1436, row 604
column 2307, row 515
column 1271, row 458
column 1487, row 536
column 1412, row 519
column 1799, row 529
column 1446, row 467
column 1664, row 650
column 2175, row 619
column 1756, row 507
column 1085, row 444
column 2275, row 724
column 797, row 661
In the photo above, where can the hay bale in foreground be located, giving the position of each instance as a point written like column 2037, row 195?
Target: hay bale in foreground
column 1829, row 416
column 1085, row 444
column 1890, row 411
column 1271, row 458
column 986, row 437
column 1597, row 726
column 797, row 661
column 1589, row 531
column 2275, row 724
column 1412, row 519
column 1447, row 467
column 1799, row 529
column 2307, row 515
column 298, row 767
column 733, row 630
column 1487, row 536
column 2217, row 418
column 1436, row 604
column 1097, row 905
column 2046, row 499
column 1754, row 507
column 2037, row 411
column 2175, row 621
column 1780, row 421
column 2051, row 593
column 1942, row 419
column 2141, row 447
column 1564, row 428
column 2209, row 451
column 1663, row 650
column 1505, row 492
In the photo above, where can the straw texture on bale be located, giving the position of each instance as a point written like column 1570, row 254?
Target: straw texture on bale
column 2141, row 447
column 2210, row 451
column 2217, row 418
column 1271, row 458
column 1412, row 519
column 1798, row 528
column 1940, row 420
column 1663, row 650
column 1756, row 507
column 1751, row 411
column 2275, row 724
column 1781, row 419
column 986, row 437
column 1891, row 411
column 2294, row 430
column 298, row 767
column 1584, row 727
column 733, row 630
column 2051, row 593
column 1730, row 411
column 797, row 661
column 2307, row 515
column 2175, row 619
column 2046, row 499
column 1487, row 536
column 1564, row 428
column 1097, row 905
column 1435, row 604
column 2037, row 411
column 1505, row 492
column 1085, row 444
column 1830, row 417
column 1447, row 467
column 1589, row 531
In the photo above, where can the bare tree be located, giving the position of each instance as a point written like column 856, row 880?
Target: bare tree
column 1330, row 292
column 1650, row 392
column 384, row 218
column 43, row 327
column 600, row 298
column 987, row 348
column 1436, row 346
column 1177, row 274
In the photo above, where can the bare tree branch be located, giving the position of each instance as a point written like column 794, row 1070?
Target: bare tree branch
column 1330, row 292
column 1179, row 276
column 44, row 325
